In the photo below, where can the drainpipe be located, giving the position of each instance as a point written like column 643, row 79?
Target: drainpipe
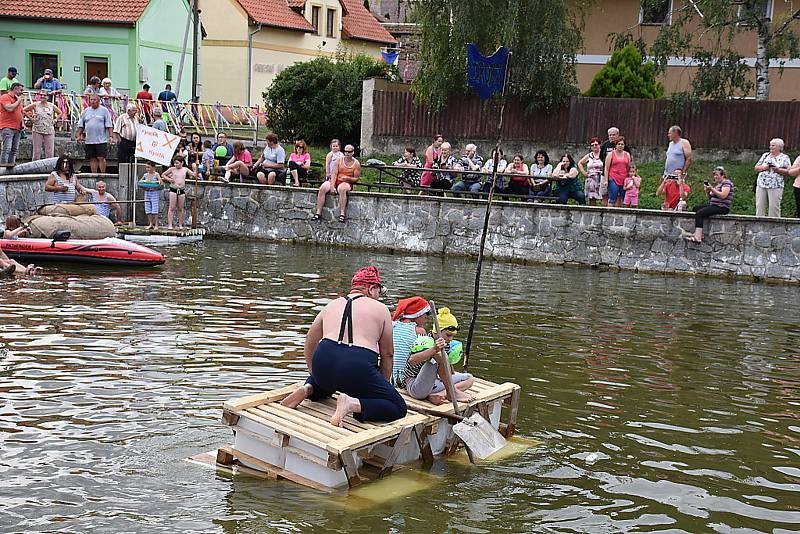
column 250, row 61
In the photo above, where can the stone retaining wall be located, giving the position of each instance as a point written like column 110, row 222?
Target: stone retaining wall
column 641, row 240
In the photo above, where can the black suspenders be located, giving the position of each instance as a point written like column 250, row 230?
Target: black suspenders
column 347, row 320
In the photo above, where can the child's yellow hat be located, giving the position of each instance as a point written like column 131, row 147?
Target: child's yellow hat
column 446, row 319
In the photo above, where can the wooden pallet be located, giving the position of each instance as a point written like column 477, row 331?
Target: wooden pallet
column 301, row 445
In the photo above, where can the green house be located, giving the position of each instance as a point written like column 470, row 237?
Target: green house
column 130, row 41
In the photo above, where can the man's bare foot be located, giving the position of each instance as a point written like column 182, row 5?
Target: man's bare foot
column 297, row 396
column 437, row 399
column 345, row 405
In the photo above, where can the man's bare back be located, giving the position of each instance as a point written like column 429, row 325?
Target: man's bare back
column 343, row 364
column 371, row 321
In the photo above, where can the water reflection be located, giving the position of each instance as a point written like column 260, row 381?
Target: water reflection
column 663, row 403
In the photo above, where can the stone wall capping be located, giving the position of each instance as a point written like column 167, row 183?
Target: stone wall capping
column 738, row 247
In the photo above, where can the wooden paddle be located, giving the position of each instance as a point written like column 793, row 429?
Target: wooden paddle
column 448, row 379
column 480, row 438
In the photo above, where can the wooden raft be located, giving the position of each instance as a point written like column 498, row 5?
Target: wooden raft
column 301, row 445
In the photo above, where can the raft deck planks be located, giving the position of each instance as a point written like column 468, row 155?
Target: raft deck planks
column 277, row 440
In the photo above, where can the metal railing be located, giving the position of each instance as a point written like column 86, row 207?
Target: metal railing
column 203, row 118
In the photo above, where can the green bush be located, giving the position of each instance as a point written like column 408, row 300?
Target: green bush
column 321, row 99
column 626, row 75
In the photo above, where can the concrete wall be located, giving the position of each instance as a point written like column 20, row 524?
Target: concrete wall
column 640, row 240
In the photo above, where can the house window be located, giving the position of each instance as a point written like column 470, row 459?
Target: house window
column 39, row 62
column 745, row 15
column 656, row 12
column 315, row 18
column 329, row 29
column 168, row 72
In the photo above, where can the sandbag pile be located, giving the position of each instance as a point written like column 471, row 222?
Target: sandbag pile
column 80, row 220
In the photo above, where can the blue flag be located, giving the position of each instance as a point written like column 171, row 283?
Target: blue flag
column 486, row 74
column 390, row 57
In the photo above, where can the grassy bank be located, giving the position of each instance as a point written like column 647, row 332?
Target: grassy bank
column 742, row 175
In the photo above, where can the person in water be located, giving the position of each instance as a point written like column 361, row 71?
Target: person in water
column 409, row 320
column 15, row 229
column 349, row 349
column 424, row 369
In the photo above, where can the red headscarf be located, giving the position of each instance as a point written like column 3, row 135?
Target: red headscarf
column 411, row 308
column 365, row 277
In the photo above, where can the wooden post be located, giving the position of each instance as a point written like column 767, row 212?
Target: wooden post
column 225, row 456
column 402, row 439
column 421, row 433
column 350, row 466
column 511, row 427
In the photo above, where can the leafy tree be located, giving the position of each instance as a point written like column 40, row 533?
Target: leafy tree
column 321, row 99
column 704, row 31
column 544, row 37
column 626, row 75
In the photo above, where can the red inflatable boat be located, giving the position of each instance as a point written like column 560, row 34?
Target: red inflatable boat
column 108, row 251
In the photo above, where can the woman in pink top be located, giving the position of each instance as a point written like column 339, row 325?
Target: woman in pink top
column 617, row 168
column 299, row 162
column 432, row 154
column 240, row 162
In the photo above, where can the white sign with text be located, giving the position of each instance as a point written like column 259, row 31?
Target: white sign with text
column 155, row 145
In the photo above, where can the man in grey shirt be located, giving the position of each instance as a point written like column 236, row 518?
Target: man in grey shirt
column 158, row 122
column 94, row 129
column 271, row 165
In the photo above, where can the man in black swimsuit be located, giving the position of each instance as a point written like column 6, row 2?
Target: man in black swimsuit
column 349, row 349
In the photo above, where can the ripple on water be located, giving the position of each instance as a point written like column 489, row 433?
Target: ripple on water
column 673, row 414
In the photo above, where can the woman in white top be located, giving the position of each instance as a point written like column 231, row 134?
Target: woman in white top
column 540, row 176
column 772, row 167
column 44, row 130
column 501, row 184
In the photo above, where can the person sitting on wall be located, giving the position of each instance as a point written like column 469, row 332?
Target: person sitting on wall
column 519, row 182
column 444, row 180
column 569, row 186
column 500, row 186
column 222, row 141
column 675, row 192
column 410, row 177
column 299, row 163
column 271, row 166
column 720, row 199
column 470, row 161
column 346, row 173
column 541, row 169
column 239, row 163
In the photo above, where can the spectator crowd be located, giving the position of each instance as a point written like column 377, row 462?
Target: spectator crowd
column 606, row 174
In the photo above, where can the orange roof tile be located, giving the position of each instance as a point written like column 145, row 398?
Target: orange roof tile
column 115, row 11
column 296, row 3
column 275, row 13
column 358, row 23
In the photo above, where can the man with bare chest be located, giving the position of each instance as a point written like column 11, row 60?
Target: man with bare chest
column 349, row 349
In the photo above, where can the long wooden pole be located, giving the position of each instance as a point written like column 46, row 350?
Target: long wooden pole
column 448, row 371
column 496, row 158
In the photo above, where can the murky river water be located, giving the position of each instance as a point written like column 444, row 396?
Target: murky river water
column 686, row 390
